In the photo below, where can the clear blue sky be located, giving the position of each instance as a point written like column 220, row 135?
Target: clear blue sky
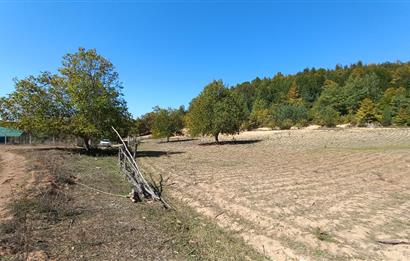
column 166, row 52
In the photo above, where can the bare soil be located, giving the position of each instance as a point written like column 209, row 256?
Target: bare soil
column 299, row 194
column 13, row 177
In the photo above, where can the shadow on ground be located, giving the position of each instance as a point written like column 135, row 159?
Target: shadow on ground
column 95, row 152
column 103, row 152
column 176, row 141
column 157, row 153
column 230, row 142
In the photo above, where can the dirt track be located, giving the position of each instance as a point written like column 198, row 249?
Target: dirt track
column 12, row 176
column 321, row 194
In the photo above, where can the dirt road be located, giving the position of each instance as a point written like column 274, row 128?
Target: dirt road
column 12, row 176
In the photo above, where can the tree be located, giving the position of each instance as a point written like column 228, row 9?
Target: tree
column 293, row 94
column 358, row 88
column 85, row 100
column 327, row 116
column 287, row 115
column 402, row 117
column 366, row 112
column 216, row 110
column 143, row 124
column 167, row 122
column 28, row 106
column 94, row 91
column 260, row 115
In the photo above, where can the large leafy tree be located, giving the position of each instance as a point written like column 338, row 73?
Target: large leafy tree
column 143, row 124
column 84, row 100
column 95, row 96
column 216, row 110
column 28, row 107
column 167, row 122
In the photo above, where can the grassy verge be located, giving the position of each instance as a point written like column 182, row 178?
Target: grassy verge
column 66, row 221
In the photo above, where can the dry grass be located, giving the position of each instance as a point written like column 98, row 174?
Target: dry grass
column 318, row 195
column 69, row 222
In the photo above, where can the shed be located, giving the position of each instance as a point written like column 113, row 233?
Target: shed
column 8, row 135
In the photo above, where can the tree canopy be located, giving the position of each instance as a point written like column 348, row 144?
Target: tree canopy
column 216, row 110
column 167, row 122
column 84, row 99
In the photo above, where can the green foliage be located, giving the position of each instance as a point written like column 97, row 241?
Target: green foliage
column 216, row 110
column 288, row 115
column 386, row 117
column 93, row 86
column 260, row 115
column 84, row 100
column 366, row 112
column 402, row 117
column 359, row 87
column 327, row 116
column 330, row 96
column 167, row 122
column 143, row 124
column 34, row 105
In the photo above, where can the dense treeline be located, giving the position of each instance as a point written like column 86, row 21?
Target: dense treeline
column 359, row 94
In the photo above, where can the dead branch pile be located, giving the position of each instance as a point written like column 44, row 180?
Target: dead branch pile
column 141, row 187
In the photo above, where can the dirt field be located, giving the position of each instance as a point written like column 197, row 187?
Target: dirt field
column 300, row 194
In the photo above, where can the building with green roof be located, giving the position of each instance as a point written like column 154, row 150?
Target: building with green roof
column 9, row 135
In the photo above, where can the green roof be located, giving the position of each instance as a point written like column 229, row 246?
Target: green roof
column 7, row 132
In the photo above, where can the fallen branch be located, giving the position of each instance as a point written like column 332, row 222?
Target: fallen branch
column 223, row 212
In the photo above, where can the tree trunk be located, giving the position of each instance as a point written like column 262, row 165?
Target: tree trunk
column 86, row 143
column 216, row 137
column 167, row 138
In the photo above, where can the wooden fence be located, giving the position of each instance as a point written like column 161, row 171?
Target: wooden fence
column 141, row 187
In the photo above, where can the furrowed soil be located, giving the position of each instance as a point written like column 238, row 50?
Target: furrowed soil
column 299, row 194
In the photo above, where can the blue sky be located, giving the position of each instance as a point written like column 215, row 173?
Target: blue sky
column 167, row 51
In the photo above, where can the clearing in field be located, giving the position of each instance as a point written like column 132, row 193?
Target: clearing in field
column 322, row 194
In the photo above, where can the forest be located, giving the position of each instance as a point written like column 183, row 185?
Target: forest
column 359, row 94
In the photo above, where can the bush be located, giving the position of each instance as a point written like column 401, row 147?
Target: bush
column 327, row 116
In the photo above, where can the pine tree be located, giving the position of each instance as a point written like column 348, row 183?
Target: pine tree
column 293, row 94
column 366, row 112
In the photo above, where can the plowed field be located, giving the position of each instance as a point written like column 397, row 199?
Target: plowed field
column 299, row 194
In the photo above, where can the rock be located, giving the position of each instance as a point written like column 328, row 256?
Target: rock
column 294, row 128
